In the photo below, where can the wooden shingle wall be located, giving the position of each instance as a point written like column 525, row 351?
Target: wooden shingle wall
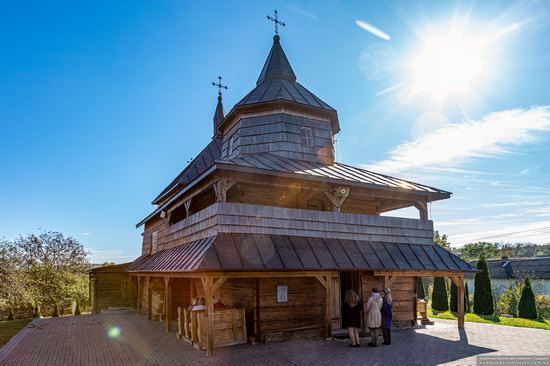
column 280, row 134
column 256, row 219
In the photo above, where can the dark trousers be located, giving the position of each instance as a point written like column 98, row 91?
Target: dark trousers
column 386, row 334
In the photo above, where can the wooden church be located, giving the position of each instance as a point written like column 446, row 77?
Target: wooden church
column 267, row 223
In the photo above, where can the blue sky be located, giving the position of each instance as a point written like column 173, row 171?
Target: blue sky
column 103, row 103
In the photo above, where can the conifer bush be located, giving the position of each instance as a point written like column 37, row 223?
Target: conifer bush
column 36, row 312
column 454, row 295
column 77, row 308
column 440, row 300
column 420, row 292
column 483, row 293
column 527, row 307
column 467, row 303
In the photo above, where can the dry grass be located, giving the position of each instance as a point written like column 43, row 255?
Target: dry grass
column 10, row 328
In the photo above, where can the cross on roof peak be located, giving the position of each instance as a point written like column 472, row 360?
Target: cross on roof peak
column 276, row 21
column 219, row 86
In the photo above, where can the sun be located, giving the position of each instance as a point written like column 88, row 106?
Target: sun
column 448, row 64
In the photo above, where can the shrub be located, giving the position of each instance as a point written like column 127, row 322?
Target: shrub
column 527, row 307
column 543, row 306
column 11, row 314
column 36, row 313
column 483, row 294
column 55, row 311
column 77, row 309
column 420, row 293
column 440, row 300
column 467, row 303
column 513, row 302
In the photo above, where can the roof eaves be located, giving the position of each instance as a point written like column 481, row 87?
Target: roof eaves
column 177, row 195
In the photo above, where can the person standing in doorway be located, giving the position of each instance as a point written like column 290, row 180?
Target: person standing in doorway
column 386, row 316
column 353, row 307
column 374, row 317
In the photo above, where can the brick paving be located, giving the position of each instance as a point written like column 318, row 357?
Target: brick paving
column 85, row 340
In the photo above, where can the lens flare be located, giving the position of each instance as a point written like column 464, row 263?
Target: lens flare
column 113, row 332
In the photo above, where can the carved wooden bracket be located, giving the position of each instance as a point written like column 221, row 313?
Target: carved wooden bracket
column 221, row 187
column 337, row 197
column 187, row 205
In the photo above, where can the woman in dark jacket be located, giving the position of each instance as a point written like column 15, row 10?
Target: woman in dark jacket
column 387, row 316
column 352, row 311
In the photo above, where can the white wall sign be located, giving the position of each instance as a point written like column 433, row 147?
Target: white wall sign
column 282, row 293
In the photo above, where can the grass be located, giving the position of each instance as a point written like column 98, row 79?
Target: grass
column 10, row 328
column 492, row 319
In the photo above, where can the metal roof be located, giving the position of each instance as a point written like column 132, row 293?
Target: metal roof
column 536, row 268
column 269, row 161
column 199, row 165
column 233, row 251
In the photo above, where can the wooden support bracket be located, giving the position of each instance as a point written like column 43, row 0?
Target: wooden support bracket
column 221, row 187
column 337, row 197
column 422, row 210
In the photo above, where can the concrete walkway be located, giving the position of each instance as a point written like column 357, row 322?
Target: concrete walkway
column 128, row 339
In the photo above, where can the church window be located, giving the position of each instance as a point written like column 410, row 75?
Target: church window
column 306, row 134
column 154, row 235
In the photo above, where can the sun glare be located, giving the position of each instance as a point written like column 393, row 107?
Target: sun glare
column 448, row 64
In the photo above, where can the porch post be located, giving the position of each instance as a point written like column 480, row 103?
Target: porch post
column 460, row 300
column 149, row 299
column 139, row 295
column 328, row 309
column 209, row 293
column 168, row 303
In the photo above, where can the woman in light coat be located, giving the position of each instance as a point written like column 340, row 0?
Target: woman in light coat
column 374, row 317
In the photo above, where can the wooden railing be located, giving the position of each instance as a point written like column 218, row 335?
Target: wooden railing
column 229, row 327
column 245, row 218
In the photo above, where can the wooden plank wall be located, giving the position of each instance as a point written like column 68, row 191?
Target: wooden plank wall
column 181, row 294
column 403, row 291
column 302, row 316
column 239, row 293
column 111, row 289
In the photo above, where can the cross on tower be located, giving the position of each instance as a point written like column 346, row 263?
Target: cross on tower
column 219, row 85
column 275, row 19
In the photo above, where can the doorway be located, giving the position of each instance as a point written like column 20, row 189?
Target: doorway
column 349, row 280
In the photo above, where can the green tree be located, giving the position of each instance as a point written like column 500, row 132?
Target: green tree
column 420, row 292
column 454, row 295
column 54, row 267
column 527, row 307
column 14, row 291
column 479, row 249
column 440, row 300
column 467, row 302
column 483, row 293
column 441, row 240
column 55, row 311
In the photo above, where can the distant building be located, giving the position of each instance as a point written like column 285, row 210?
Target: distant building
column 506, row 271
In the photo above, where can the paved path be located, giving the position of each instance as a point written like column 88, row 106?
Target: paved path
column 91, row 340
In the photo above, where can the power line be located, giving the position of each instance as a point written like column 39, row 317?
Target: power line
column 529, row 232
